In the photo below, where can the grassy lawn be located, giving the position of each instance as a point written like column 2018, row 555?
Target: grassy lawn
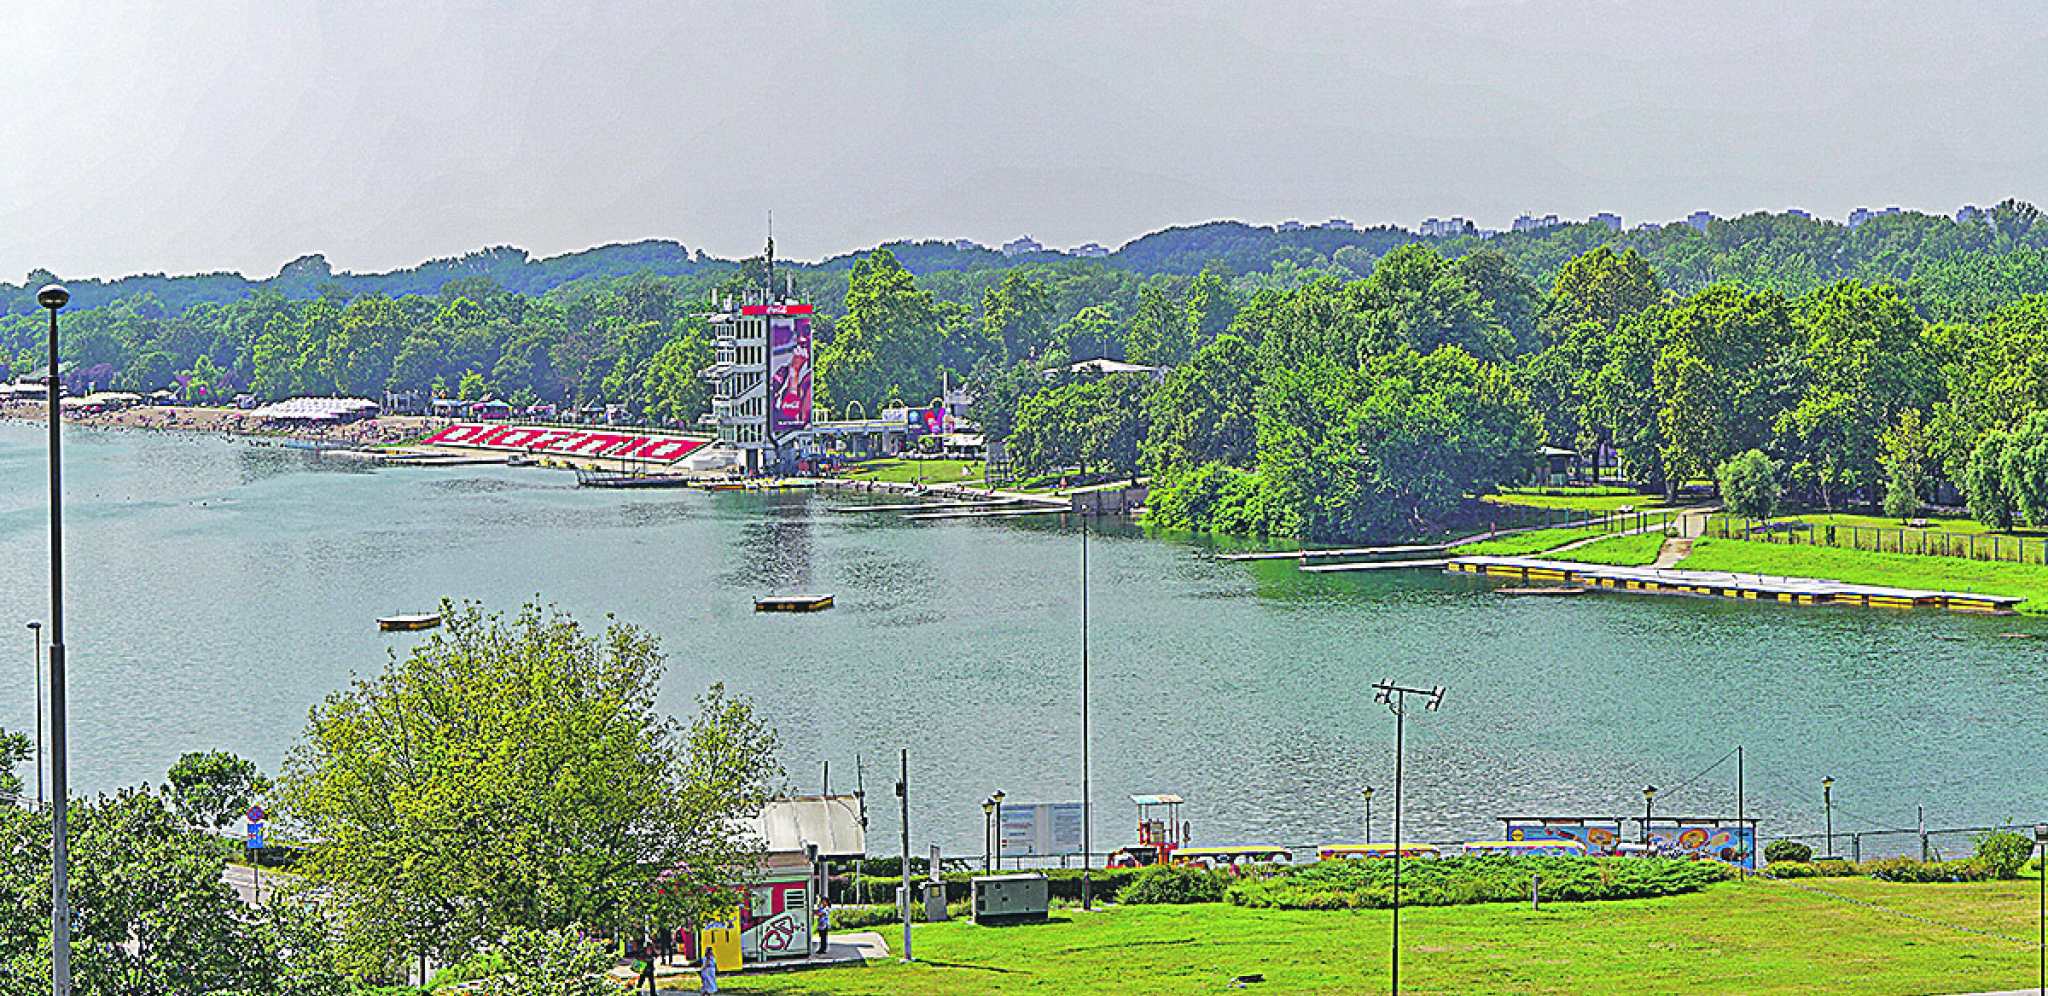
column 1862, row 567
column 909, row 471
column 1601, row 499
column 1524, row 544
column 1756, row 937
column 1620, row 551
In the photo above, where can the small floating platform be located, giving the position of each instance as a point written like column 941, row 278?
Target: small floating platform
column 403, row 623
column 792, row 603
column 1540, row 592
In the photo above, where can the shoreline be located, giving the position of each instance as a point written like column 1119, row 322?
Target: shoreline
column 381, row 430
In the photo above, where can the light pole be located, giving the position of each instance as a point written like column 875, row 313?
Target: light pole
column 1827, row 802
column 1368, row 813
column 988, row 809
column 54, row 297
column 37, row 629
column 1087, row 811
column 2041, row 840
column 998, row 800
column 1649, row 796
column 1395, row 698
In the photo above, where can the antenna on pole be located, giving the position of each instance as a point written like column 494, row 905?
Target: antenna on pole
column 771, row 254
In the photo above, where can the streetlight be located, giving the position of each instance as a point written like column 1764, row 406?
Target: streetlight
column 1649, row 796
column 53, row 297
column 988, row 809
column 1368, row 813
column 37, row 629
column 1395, row 698
column 997, row 799
column 2041, row 839
column 1827, row 801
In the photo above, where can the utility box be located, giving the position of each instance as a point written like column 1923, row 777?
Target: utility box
column 1011, row 898
column 935, row 902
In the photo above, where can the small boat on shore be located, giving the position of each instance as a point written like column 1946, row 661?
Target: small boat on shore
column 403, row 623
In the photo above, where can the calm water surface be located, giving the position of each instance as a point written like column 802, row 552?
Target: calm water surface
column 219, row 590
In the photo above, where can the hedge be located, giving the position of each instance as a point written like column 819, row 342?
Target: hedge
column 1334, row 885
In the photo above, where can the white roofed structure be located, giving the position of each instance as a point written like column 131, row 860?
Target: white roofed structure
column 830, row 821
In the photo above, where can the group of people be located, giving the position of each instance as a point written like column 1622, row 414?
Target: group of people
column 663, row 946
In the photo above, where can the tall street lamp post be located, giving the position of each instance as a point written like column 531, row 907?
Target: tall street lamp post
column 998, row 800
column 1649, row 797
column 988, row 809
column 37, row 629
column 54, row 297
column 1827, row 802
column 2041, row 841
column 1395, row 698
column 1368, row 813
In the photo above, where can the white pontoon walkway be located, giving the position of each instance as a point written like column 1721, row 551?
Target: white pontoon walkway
column 1803, row 591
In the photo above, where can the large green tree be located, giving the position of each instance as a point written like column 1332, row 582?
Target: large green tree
column 887, row 348
column 515, row 773
column 214, row 788
column 1206, row 410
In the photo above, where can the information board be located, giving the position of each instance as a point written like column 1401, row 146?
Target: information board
column 1044, row 829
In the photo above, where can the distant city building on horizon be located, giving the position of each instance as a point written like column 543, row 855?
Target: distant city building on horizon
column 967, row 245
column 1531, row 223
column 1291, row 226
column 1089, row 250
column 1797, row 213
column 1701, row 219
column 1339, row 224
column 1863, row 214
column 1020, row 246
column 1608, row 218
column 1439, row 228
column 1971, row 212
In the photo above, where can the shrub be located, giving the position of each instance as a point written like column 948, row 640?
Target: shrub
column 1174, row 885
column 1787, row 850
column 1333, row 885
column 1911, row 870
column 488, row 965
column 1061, row 883
column 2000, row 853
column 1811, row 869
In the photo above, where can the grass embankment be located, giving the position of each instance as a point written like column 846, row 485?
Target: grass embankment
column 1755, row 937
column 1601, row 499
column 1639, row 550
column 2029, row 581
column 911, row 471
column 1524, row 544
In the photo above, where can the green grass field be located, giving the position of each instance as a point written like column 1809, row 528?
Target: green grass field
column 1620, row 551
column 2029, row 581
column 1756, row 937
column 909, row 471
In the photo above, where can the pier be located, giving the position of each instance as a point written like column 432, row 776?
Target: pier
column 1764, row 587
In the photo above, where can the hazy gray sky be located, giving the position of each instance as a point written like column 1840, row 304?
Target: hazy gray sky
column 194, row 136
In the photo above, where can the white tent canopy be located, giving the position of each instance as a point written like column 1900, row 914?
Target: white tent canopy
column 316, row 409
column 830, row 821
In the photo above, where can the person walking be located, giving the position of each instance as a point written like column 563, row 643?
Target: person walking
column 824, row 925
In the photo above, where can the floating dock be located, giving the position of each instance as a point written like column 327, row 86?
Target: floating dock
column 792, row 603
column 1764, row 587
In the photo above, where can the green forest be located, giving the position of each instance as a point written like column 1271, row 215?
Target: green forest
column 1324, row 383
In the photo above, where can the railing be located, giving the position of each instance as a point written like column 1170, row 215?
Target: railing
column 1879, row 539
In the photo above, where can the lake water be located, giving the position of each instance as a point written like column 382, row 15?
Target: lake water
column 219, row 590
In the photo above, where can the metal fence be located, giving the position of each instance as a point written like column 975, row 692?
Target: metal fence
column 1942, row 844
column 1923, row 542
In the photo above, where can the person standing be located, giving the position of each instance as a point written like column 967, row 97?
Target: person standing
column 824, row 919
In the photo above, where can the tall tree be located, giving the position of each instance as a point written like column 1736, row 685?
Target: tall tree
column 887, row 347
column 1206, row 410
column 514, row 773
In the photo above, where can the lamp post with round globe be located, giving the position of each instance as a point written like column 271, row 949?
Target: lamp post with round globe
column 53, row 297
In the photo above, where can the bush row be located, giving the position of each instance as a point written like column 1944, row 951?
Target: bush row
column 2000, row 855
column 1063, row 883
column 1332, row 885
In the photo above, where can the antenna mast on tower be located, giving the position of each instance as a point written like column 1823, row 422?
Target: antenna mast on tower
column 771, row 256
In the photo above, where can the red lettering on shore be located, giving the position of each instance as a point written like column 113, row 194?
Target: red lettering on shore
column 600, row 442
column 667, row 450
column 525, row 438
column 553, row 440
